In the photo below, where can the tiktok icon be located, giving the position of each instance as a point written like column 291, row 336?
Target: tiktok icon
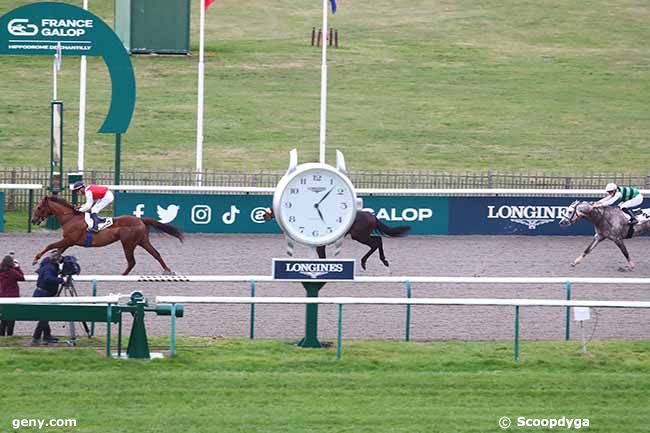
column 231, row 216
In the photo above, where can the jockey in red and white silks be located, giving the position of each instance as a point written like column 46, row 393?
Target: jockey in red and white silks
column 97, row 198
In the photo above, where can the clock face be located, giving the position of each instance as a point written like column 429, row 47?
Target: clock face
column 315, row 205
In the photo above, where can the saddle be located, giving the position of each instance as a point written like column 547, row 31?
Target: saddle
column 642, row 214
column 106, row 224
column 100, row 223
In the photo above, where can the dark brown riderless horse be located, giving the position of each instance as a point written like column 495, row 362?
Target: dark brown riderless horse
column 131, row 231
column 366, row 229
column 610, row 223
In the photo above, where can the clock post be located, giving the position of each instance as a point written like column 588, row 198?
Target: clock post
column 310, row 340
column 315, row 205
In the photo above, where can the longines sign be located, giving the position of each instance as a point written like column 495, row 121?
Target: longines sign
column 313, row 270
column 530, row 216
column 512, row 216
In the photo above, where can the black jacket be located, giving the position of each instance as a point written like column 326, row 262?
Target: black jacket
column 48, row 277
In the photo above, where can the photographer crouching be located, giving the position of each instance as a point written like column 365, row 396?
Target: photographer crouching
column 47, row 285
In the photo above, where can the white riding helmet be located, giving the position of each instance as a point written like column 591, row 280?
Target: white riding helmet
column 611, row 187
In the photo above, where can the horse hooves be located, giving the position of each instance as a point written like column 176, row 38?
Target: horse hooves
column 363, row 265
column 169, row 272
column 385, row 262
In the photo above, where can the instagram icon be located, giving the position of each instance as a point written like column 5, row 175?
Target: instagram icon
column 201, row 214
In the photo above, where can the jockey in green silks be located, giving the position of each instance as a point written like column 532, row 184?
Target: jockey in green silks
column 626, row 197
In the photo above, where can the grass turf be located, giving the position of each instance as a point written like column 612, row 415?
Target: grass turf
column 271, row 386
column 452, row 85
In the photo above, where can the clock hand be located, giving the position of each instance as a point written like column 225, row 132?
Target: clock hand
column 325, row 196
column 320, row 214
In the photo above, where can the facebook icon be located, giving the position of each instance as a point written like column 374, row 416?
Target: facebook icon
column 139, row 210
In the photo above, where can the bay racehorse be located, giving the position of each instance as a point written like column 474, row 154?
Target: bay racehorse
column 131, row 231
column 366, row 229
column 610, row 223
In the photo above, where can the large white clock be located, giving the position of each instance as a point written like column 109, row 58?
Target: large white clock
column 315, row 204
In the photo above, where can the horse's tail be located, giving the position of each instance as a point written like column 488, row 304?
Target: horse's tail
column 167, row 228
column 398, row 231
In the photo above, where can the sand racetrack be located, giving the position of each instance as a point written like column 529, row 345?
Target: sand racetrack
column 504, row 256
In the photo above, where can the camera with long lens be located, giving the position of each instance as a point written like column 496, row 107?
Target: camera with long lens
column 70, row 266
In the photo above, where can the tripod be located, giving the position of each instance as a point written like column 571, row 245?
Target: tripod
column 68, row 289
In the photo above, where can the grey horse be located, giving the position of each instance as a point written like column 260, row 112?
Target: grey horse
column 610, row 223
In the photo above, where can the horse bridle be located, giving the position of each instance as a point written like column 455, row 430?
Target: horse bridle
column 40, row 218
column 575, row 213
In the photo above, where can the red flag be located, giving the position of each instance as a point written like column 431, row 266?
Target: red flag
column 208, row 3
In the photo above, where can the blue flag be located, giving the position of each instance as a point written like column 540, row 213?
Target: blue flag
column 333, row 4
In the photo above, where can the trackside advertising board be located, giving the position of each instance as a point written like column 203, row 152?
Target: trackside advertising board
column 427, row 215
column 512, row 216
column 243, row 213
column 201, row 213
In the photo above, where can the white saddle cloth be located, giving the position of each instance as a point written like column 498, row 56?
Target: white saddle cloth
column 100, row 227
column 642, row 215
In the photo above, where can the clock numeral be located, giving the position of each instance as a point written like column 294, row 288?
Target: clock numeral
column 329, row 230
column 303, row 181
column 340, row 191
column 339, row 219
column 292, row 219
column 331, row 181
column 288, row 204
column 318, row 178
column 302, row 229
column 344, row 205
column 294, row 191
column 314, row 233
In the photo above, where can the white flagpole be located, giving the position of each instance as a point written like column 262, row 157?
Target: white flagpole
column 199, row 108
column 55, row 69
column 81, row 141
column 323, row 86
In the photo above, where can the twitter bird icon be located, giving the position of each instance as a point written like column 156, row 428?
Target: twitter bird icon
column 167, row 215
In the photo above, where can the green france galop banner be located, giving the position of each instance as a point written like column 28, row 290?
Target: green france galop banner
column 38, row 28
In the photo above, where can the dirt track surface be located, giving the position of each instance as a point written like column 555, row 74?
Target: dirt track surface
column 491, row 256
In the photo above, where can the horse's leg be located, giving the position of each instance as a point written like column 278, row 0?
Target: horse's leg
column 589, row 249
column 61, row 245
column 321, row 252
column 373, row 246
column 621, row 246
column 128, row 248
column 380, row 244
column 146, row 244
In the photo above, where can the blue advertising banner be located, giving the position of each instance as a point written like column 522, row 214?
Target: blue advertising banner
column 313, row 270
column 512, row 216
column 2, row 210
